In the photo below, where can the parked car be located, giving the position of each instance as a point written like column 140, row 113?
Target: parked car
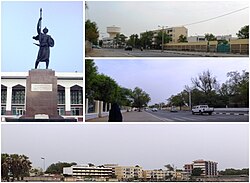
column 200, row 109
column 96, row 46
column 154, row 109
column 128, row 48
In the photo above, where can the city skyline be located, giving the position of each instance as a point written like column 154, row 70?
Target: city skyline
column 139, row 19
column 150, row 146
column 161, row 78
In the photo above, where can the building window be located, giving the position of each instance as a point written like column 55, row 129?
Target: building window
column 76, row 97
column 18, row 110
column 75, row 111
column 3, row 110
column 61, row 110
column 3, row 96
column 61, row 97
column 18, row 96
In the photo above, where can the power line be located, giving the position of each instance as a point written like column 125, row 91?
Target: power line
column 216, row 17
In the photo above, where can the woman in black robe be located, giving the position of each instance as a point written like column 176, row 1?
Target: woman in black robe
column 115, row 114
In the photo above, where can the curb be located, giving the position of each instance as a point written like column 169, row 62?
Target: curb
column 235, row 114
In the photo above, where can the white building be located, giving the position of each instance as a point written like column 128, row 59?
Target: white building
column 86, row 171
column 70, row 94
column 195, row 39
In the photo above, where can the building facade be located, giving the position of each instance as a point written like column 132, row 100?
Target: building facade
column 126, row 173
column 69, row 87
column 209, row 168
column 86, row 171
column 173, row 32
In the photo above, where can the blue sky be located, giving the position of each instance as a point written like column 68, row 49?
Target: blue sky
column 161, row 78
column 65, row 23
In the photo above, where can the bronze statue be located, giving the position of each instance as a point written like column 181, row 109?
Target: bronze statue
column 45, row 41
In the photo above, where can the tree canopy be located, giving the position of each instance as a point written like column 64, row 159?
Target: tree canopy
column 243, row 32
column 57, row 168
column 14, row 166
column 91, row 31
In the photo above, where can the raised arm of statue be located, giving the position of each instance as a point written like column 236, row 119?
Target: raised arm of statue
column 39, row 26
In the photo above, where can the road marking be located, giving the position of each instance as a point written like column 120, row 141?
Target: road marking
column 179, row 119
column 167, row 119
column 161, row 119
column 188, row 119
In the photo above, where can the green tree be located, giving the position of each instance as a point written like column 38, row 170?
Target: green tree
column 140, row 97
column 243, row 32
column 197, row 172
column 90, row 75
column 120, row 40
column 105, row 88
column 182, row 39
column 146, row 39
column 5, row 163
column 210, row 37
column 133, row 41
column 176, row 100
column 158, row 39
column 14, row 165
column 124, row 96
column 57, row 168
column 91, row 32
column 238, row 88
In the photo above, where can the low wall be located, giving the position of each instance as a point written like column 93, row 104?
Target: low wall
column 231, row 109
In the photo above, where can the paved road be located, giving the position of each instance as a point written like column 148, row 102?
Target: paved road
column 109, row 52
column 186, row 116
column 181, row 116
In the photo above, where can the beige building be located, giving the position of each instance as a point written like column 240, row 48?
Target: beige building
column 173, row 32
column 128, row 172
column 155, row 175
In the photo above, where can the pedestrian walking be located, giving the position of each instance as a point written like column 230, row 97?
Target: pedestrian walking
column 115, row 114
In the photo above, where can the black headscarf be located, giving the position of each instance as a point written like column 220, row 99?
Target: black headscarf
column 115, row 114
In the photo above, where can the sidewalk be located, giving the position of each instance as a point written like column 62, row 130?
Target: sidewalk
column 133, row 116
column 203, row 54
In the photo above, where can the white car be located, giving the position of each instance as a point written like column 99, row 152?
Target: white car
column 154, row 109
column 200, row 109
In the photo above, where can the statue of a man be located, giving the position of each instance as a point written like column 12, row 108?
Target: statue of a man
column 45, row 41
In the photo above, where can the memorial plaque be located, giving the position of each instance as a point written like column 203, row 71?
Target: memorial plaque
column 41, row 94
column 41, row 87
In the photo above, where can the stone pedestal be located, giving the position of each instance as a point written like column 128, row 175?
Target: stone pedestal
column 41, row 94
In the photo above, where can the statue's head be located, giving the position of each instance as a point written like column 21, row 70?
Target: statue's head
column 45, row 30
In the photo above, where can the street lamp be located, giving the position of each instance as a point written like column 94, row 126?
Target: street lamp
column 162, row 37
column 43, row 164
column 189, row 94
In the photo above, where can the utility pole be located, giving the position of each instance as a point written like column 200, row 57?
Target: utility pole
column 162, row 37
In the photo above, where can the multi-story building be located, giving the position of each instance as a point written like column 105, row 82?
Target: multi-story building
column 209, row 168
column 69, row 94
column 188, row 168
column 154, row 175
column 173, row 32
column 86, row 171
column 128, row 172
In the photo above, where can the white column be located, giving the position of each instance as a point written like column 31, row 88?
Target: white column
column 9, row 98
column 100, row 108
column 109, row 106
column 86, row 106
column 106, row 107
column 67, row 100
column 96, row 106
